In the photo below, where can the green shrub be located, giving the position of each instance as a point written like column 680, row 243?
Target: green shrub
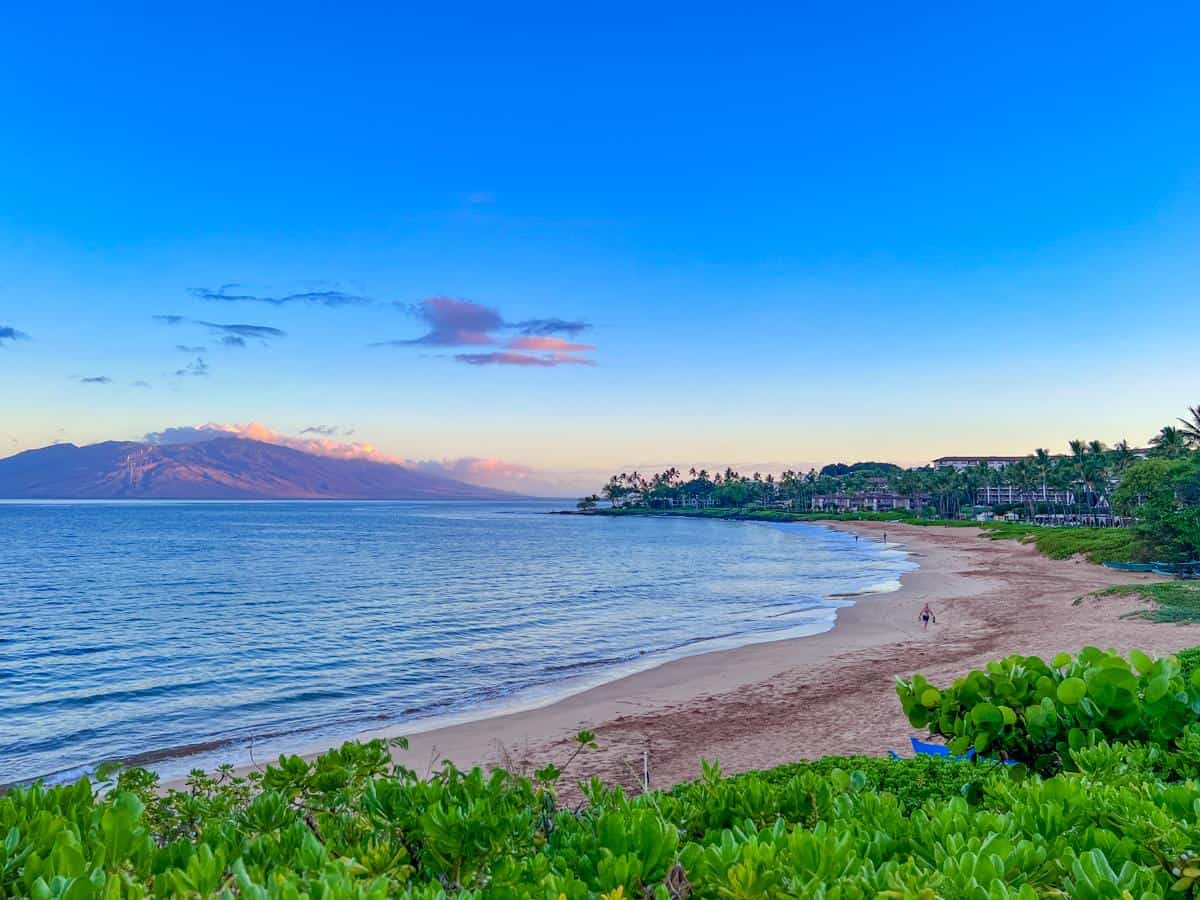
column 350, row 825
column 912, row 781
column 1098, row 545
column 1189, row 661
column 1034, row 712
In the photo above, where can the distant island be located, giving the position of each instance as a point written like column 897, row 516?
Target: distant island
column 227, row 468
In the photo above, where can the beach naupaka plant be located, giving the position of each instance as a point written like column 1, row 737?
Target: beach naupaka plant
column 1025, row 709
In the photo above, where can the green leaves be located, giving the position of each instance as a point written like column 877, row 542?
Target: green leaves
column 352, row 826
column 1037, row 713
column 1071, row 690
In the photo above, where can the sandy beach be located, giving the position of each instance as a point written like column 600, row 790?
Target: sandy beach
column 832, row 693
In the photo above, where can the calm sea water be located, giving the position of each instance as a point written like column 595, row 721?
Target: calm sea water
column 128, row 629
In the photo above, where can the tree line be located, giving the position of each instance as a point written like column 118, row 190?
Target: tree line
column 1160, row 484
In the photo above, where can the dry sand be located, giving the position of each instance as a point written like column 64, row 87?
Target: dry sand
column 831, row 693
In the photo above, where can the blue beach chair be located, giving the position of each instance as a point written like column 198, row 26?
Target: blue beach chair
column 923, row 749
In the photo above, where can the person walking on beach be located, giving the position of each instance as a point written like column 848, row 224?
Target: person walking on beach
column 927, row 616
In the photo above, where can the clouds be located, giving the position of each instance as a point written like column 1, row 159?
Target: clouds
column 453, row 323
column 484, row 471
column 551, row 326
column 94, row 379
column 329, row 298
column 10, row 334
column 547, row 343
column 464, row 323
column 449, row 322
column 508, row 358
column 263, row 332
column 256, row 431
column 232, row 335
column 197, row 369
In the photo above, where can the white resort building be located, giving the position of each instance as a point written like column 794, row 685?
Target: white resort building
column 969, row 462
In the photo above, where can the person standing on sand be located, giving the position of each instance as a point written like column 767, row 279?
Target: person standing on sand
column 926, row 616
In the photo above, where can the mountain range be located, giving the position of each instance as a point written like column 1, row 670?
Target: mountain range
column 228, row 468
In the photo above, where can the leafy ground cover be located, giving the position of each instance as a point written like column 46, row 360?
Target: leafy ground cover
column 1098, row 545
column 1118, row 820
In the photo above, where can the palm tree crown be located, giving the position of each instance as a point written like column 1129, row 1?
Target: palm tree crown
column 1191, row 427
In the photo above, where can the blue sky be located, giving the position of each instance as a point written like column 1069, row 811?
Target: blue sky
column 797, row 234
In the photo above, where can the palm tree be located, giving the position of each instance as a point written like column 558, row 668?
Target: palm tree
column 1100, row 470
column 1043, row 461
column 1170, row 442
column 614, row 490
column 1082, row 471
column 1191, row 428
column 1122, row 456
column 1023, row 475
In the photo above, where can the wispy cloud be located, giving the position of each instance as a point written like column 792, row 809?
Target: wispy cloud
column 141, row 384
column 197, row 369
column 8, row 333
column 551, row 326
column 548, row 343
column 261, row 332
column 332, row 298
column 184, row 348
column 94, row 379
column 323, row 430
column 265, row 332
column 508, row 358
column 233, row 340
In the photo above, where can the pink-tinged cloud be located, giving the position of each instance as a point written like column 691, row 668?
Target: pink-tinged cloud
column 453, row 323
column 478, row 470
column 507, row 358
column 483, row 471
column 256, row 431
column 464, row 323
column 507, row 476
column 548, row 343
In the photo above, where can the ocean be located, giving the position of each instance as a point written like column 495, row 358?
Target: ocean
column 167, row 633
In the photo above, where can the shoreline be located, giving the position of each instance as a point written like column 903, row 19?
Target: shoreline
column 246, row 755
column 779, row 700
